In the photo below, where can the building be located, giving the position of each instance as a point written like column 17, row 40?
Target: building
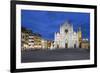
column 44, row 44
column 79, row 37
column 24, row 41
column 25, row 38
column 67, row 37
column 31, row 41
column 52, row 45
column 49, row 44
column 85, row 44
column 37, row 41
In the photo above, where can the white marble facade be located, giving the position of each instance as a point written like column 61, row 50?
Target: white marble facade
column 67, row 37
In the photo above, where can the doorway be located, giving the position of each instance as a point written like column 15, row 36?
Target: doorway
column 57, row 46
column 80, row 45
column 66, row 45
column 74, row 45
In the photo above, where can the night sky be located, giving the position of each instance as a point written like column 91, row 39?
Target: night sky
column 48, row 22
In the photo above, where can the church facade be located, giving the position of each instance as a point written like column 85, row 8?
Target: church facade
column 67, row 37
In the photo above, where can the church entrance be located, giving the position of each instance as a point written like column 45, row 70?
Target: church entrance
column 66, row 45
column 80, row 45
column 66, row 31
column 74, row 45
column 57, row 46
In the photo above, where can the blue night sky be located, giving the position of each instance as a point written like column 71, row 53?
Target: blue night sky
column 48, row 22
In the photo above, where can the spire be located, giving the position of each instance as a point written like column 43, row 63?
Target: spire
column 79, row 33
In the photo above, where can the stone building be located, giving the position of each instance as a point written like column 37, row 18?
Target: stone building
column 31, row 41
column 85, row 44
column 25, row 38
column 37, row 41
column 44, row 44
column 24, row 41
column 67, row 37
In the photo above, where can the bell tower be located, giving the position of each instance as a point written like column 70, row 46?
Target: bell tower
column 79, row 36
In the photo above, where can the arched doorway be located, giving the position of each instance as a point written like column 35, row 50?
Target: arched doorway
column 66, row 31
column 66, row 45
column 57, row 46
column 79, row 45
column 74, row 45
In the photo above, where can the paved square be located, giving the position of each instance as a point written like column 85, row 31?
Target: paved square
column 55, row 55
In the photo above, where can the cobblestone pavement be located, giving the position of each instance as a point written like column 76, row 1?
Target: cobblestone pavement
column 54, row 55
